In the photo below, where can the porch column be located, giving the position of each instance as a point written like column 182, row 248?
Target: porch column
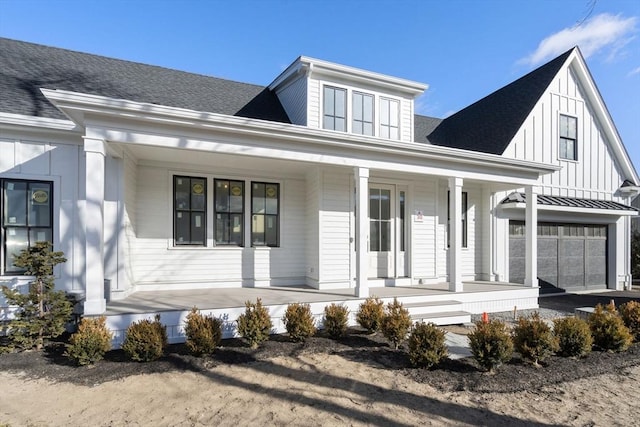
column 362, row 231
column 95, row 151
column 455, row 234
column 531, row 236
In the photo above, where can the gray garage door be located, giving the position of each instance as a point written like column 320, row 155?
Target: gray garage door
column 570, row 256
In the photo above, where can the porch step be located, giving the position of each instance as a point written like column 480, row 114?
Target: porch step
column 443, row 318
column 427, row 307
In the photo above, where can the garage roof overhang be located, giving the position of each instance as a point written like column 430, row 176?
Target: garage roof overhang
column 570, row 205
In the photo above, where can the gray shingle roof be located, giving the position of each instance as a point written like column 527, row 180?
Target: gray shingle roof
column 490, row 124
column 569, row 202
column 27, row 67
column 423, row 126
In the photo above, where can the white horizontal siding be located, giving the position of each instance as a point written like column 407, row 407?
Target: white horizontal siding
column 423, row 237
column 335, row 227
column 314, row 109
column 156, row 261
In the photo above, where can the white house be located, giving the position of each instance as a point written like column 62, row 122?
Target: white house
column 156, row 180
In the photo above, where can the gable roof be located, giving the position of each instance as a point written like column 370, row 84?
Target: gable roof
column 27, row 67
column 423, row 126
column 490, row 124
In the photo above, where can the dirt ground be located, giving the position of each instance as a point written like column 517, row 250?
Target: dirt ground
column 359, row 380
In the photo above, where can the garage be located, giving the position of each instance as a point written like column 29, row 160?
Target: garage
column 570, row 256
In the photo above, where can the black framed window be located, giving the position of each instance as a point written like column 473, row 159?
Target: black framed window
column 190, row 210
column 229, row 212
column 265, row 214
column 568, row 137
column 463, row 219
column 27, row 217
column 335, row 109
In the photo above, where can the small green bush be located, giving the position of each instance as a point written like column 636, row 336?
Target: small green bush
column 396, row 323
column 630, row 313
column 90, row 343
column 608, row 329
column 427, row 345
column 491, row 344
column 145, row 340
column 574, row 336
column 299, row 322
column 254, row 325
column 534, row 339
column 370, row 314
column 336, row 318
column 203, row 333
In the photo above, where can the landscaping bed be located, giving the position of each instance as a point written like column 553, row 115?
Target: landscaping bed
column 372, row 350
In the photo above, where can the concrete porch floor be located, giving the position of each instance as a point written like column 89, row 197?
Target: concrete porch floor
column 209, row 299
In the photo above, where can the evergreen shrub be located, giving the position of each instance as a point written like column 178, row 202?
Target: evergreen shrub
column 574, row 336
column 254, row 325
column 336, row 319
column 299, row 322
column 491, row 344
column 91, row 341
column 396, row 323
column 203, row 333
column 534, row 339
column 427, row 345
column 370, row 314
column 145, row 340
column 608, row 329
column 630, row 312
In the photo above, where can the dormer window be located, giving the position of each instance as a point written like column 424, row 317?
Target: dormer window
column 335, row 109
column 389, row 118
column 362, row 112
column 568, row 137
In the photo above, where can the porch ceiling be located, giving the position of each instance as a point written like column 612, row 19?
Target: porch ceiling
column 201, row 158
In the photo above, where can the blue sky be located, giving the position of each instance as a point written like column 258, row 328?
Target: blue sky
column 464, row 50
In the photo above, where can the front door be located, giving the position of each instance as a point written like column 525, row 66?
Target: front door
column 381, row 231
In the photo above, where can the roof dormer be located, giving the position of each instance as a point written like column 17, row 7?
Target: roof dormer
column 324, row 95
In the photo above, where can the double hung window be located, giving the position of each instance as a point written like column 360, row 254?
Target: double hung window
column 189, row 208
column 362, row 112
column 389, row 126
column 229, row 212
column 27, row 218
column 335, row 109
column 568, row 137
column 463, row 219
column 265, row 213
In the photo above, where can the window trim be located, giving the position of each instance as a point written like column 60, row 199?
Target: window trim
column 3, row 228
column 381, row 125
column 215, row 212
column 563, row 139
column 464, row 219
column 364, row 95
column 175, row 211
column 278, row 215
column 333, row 116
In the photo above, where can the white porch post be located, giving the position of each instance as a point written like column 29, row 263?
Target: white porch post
column 362, row 231
column 531, row 236
column 95, row 151
column 455, row 234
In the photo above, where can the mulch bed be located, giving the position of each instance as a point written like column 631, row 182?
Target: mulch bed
column 373, row 350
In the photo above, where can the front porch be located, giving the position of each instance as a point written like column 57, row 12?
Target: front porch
column 434, row 303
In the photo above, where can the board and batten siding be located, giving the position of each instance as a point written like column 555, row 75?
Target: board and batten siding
column 157, row 262
column 335, row 229
column 595, row 175
column 62, row 163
